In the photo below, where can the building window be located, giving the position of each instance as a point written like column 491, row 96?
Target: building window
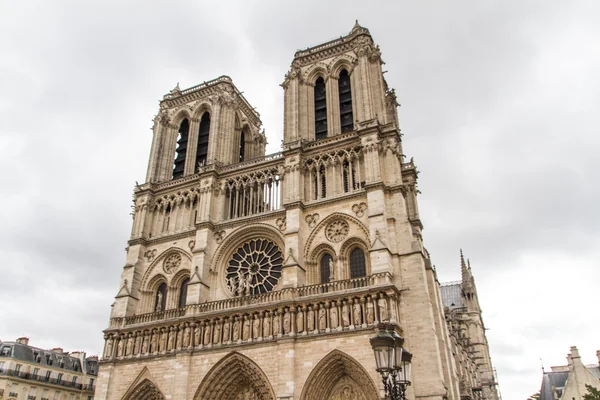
column 202, row 148
column 320, row 109
column 182, row 139
column 18, row 368
column 242, row 146
column 56, row 395
column 74, row 380
column 358, row 268
column 326, row 268
column 345, row 91
column 6, row 350
column 59, row 377
column 36, row 372
column 1, row 366
column 183, row 292
column 160, row 300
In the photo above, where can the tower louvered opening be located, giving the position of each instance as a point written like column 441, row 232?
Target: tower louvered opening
column 345, row 91
column 182, row 140
column 242, row 146
column 320, row 109
column 202, row 148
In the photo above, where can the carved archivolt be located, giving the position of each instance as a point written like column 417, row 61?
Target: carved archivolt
column 234, row 377
column 143, row 388
column 337, row 375
column 170, row 260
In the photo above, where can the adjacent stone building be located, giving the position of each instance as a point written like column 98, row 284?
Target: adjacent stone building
column 264, row 277
column 569, row 381
column 30, row 373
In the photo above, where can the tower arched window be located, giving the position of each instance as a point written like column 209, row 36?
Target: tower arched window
column 358, row 267
column 182, row 140
column 320, row 109
column 183, row 292
column 202, row 148
column 242, row 146
column 326, row 268
column 345, row 92
column 160, row 298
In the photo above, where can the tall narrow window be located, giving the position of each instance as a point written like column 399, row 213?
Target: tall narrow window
column 242, row 146
column 346, row 119
column 182, row 139
column 320, row 109
column 326, row 268
column 183, row 292
column 358, row 267
column 202, row 149
column 160, row 300
column 323, row 175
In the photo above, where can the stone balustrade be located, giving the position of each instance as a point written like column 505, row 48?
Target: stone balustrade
column 356, row 304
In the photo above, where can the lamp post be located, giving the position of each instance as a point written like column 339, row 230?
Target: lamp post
column 393, row 362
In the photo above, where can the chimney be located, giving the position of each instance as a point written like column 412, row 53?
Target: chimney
column 598, row 355
column 58, row 350
column 23, row 340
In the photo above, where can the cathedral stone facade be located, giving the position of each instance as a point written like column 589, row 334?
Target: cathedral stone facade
column 264, row 277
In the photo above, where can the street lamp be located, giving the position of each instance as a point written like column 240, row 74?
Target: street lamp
column 392, row 361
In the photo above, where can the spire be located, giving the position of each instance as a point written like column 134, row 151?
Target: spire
column 355, row 27
column 463, row 268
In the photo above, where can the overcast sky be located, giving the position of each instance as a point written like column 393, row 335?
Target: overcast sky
column 500, row 105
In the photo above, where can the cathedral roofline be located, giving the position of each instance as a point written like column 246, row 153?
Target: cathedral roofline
column 325, row 48
column 170, row 99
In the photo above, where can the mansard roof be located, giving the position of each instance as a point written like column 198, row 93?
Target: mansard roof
column 452, row 295
column 19, row 351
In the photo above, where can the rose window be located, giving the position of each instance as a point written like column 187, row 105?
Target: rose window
column 172, row 262
column 337, row 231
column 254, row 268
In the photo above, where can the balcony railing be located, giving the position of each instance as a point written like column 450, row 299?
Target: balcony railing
column 52, row 381
column 351, row 305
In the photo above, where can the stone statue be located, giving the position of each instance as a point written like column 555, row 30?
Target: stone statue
column 246, row 328
column 163, row 340
column 138, row 343
column 171, row 340
column 226, row 337
column 109, row 348
column 197, row 336
column 179, row 338
column 311, row 320
column 217, row 333
column 383, row 311
column 186, row 336
column 300, row 321
column 370, row 313
column 120, row 348
column 236, row 330
column 145, row 345
column 286, row 323
column 129, row 348
column 256, row 327
column 267, row 326
column 322, row 318
column 356, row 309
column 241, row 284
column 159, row 300
column 153, row 343
column 331, row 269
column 334, row 316
column 206, row 334
column 276, row 325
column 248, row 284
column 345, row 315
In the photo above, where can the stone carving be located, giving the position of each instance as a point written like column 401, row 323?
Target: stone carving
column 217, row 333
column 226, row 337
column 120, row 348
column 236, row 330
column 300, row 321
column 311, row 319
column 162, row 345
column 312, row 220
column 334, row 316
column 370, row 313
column 357, row 313
column 219, row 237
column 345, row 315
column 337, row 230
column 197, row 335
column 138, row 344
column 172, row 262
column 276, row 324
column 150, row 254
column 153, row 342
column 129, row 347
column 383, row 311
column 246, row 328
column 322, row 318
column 359, row 209
column 159, row 301
column 267, row 325
column 256, row 327
column 192, row 244
column 145, row 344
column 186, row 336
column 171, row 340
column 206, row 334
column 286, row 323
column 280, row 222
column 109, row 348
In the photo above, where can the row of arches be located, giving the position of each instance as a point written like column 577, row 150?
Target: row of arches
column 344, row 102
column 336, row 376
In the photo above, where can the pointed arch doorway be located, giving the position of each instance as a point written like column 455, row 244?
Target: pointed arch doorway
column 339, row 377
column 235, row 377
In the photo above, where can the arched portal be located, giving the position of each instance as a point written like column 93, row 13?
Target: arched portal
column 235, row 377
column 145, row 390
column 339, row 377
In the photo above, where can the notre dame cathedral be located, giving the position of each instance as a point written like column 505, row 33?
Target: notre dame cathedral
column 264, row 277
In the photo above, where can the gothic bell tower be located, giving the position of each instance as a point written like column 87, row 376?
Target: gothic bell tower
column 253, row 276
